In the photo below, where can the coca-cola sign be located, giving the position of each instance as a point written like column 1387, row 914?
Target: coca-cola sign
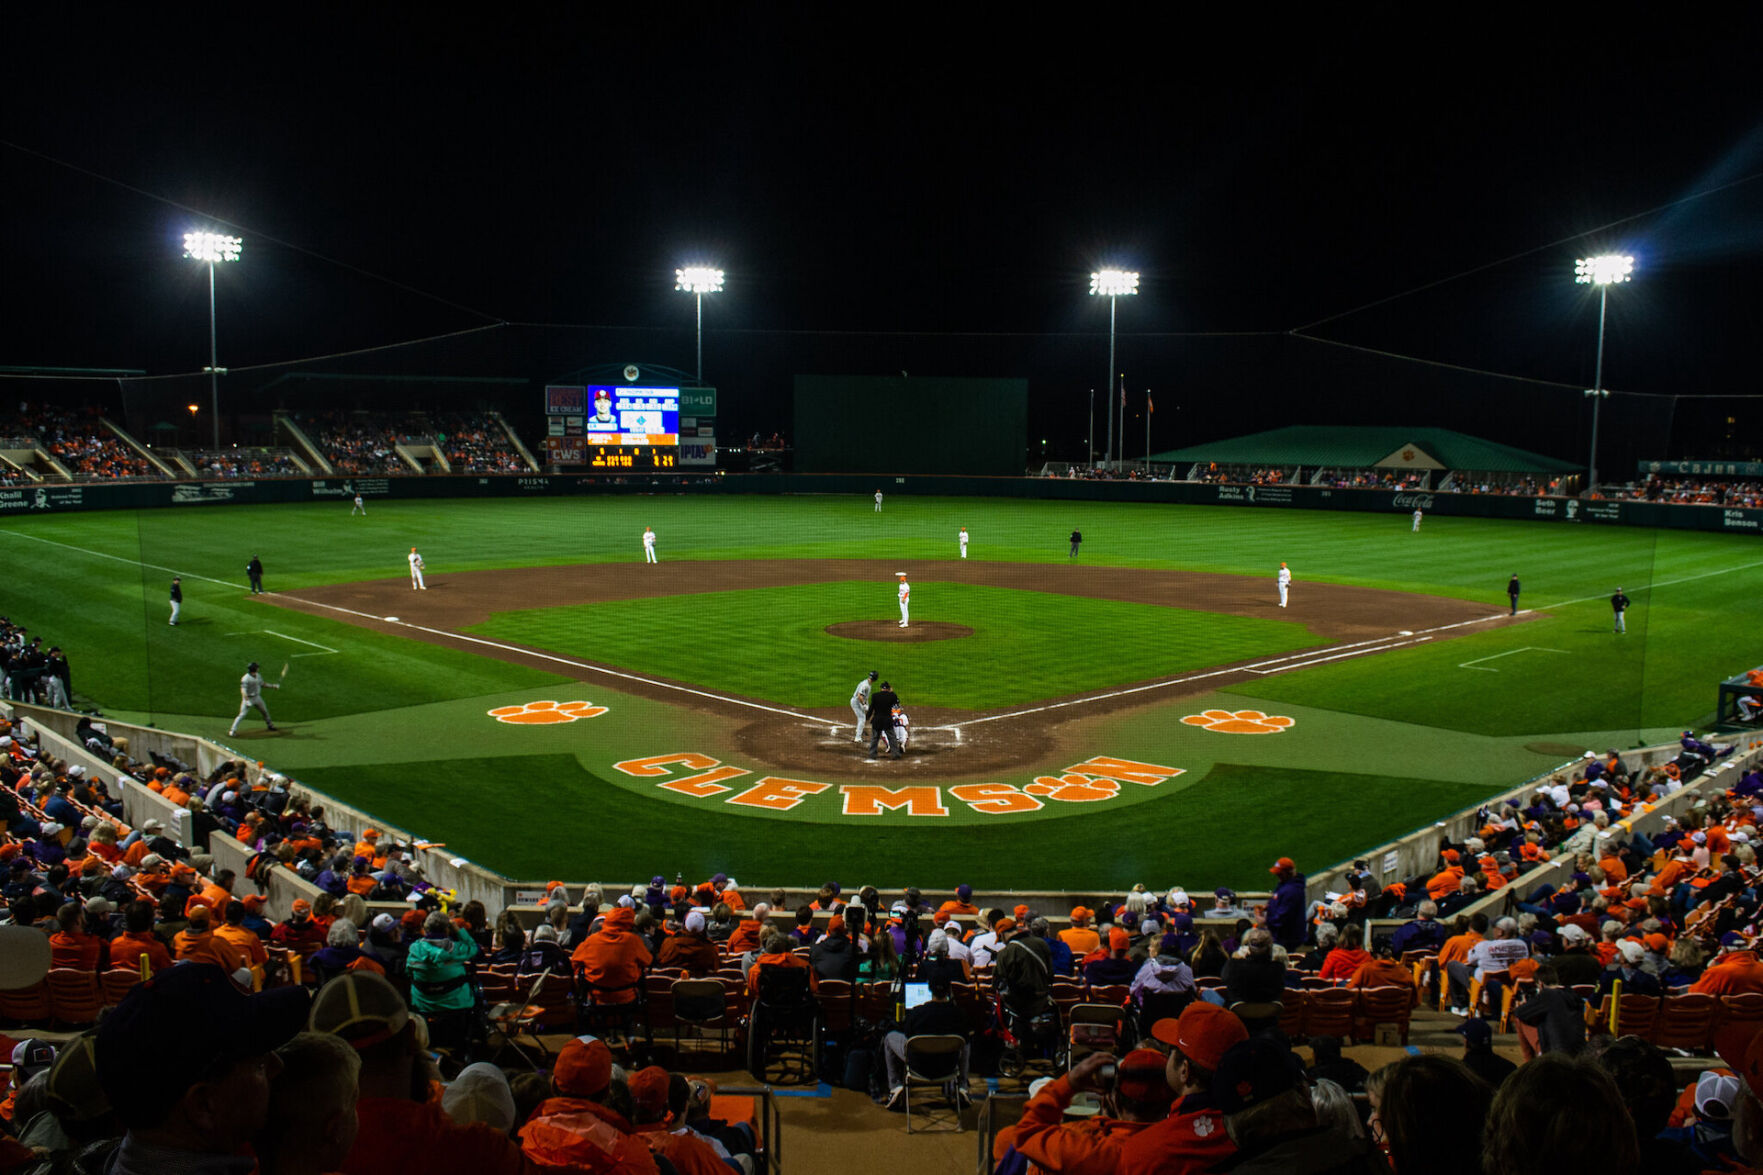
column 1412, row 501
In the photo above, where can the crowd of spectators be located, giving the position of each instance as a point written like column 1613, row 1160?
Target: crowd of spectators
column 1507, row 484
column 79, row 442
column 1370, row 479
column 358, row 443
column 476, row 442
column 1686, row 491
column 1671, row 911
column 244, row 463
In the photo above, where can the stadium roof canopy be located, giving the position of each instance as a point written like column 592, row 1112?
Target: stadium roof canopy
column 1349, row 447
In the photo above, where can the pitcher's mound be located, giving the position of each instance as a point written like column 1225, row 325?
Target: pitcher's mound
column 890, row 630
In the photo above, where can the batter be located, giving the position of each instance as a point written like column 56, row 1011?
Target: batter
column 860, row 702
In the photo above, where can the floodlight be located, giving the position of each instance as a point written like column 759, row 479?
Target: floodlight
column 1114, row 283
column 211, row 247
column 698, row 279
column 1603, row 270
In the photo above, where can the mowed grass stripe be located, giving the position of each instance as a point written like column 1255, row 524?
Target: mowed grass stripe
column 771, row 643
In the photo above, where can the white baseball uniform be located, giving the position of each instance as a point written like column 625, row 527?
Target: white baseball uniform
column 416, row 566
column 1417, row 522
column 648, row 545
column 360, row 507
column 251, row 688
column 964, row 542
column 1285, row 583
column 905, row 599
column 878, row 501
column 860, row 705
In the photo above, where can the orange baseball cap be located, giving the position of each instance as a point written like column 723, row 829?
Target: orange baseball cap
column 1118, row 939
column 584, row 1067
column 1079, row 912
column 302, row 906
column 1142, row 1077
column 648, row 1088
column 1204, row 1033
column 1284, row 864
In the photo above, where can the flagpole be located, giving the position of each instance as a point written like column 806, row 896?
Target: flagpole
column 1148, row 431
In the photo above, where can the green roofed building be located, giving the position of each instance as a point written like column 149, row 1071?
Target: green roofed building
column 1432, row 450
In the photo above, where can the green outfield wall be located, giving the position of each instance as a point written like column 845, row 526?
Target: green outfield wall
column 25, row 500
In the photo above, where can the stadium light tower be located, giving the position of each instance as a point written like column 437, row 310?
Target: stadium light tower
column 209, row 248
column 1603, row 271
column 698, row 280
column 1113, row 284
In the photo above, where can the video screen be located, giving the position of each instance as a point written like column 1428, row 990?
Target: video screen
column 633, row 416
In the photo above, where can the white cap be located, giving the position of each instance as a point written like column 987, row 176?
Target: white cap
column 1715, row 1095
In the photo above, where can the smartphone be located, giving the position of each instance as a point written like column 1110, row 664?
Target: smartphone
column 1105, row 1076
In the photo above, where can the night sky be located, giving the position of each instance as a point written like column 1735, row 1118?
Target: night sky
column 906, row 190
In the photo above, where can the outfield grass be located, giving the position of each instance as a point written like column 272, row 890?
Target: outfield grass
column 1026, row 646
column 359, row 701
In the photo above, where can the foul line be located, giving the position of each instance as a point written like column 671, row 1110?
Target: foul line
column 120, row 559
column 1662, row 583
column 299, row 641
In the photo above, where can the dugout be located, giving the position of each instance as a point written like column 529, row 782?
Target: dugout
column 908, row 425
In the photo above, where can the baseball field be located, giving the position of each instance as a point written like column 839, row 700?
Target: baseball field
column 554, row 707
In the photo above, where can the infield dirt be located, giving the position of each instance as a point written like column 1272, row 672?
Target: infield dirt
column 946, row 744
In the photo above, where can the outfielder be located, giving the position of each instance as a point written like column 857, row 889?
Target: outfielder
column 177, row 597
column 860, row 701
column 251, row 688
column 964, row 542
column 878, row 501
column 1619, row 605
column 416, row 566
column 649, row 544
column 1416, row 520
column 905, row 598
column 360, row 507
column 1285, row 583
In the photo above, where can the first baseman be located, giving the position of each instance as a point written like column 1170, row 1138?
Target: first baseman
column 905, row 597
column 649, row 544
column 860, row 701
column 1285, row 583
column 964, row 542
column 416, row 566
column 251, row 688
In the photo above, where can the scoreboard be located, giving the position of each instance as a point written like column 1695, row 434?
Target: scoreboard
column 611, row 427
column 635, row 457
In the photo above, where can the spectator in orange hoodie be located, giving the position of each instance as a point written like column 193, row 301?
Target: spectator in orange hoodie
column 1080, row 936
column 233, row 930
column 197, row 944
column 1457, row 947
column 1734, row 971
column 747, row 934
column 689, row 1154
column 70, row 945
column 614, row 957
column 138, row 940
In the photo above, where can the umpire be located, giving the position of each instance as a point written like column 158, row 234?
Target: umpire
column 254, row 569
column 881, row 719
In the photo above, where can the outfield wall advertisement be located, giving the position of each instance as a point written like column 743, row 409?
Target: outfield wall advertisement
column 145, row 495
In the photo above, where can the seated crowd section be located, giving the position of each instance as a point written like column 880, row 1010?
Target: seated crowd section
column 365, row 443
column 249, row 463
column 78, row 441
column 1695, row 491
column 384, row 1021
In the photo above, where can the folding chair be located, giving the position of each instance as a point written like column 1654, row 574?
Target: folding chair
column 700, row 1004
column 934, row 1061
column 785, row 1013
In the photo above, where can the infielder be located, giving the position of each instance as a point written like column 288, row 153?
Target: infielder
column 964, row 542
column 251, row 688
column 177, row 598
column 1416, row 520
column 649, row 544
column 416, row 566
column 1285, row 583
column 860, row 701
column 360, row 507
column 905, row 598
column 878, row 501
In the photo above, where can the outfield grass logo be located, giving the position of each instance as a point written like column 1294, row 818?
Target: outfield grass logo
column 1239, row 722
column 546, row 713
column 703, row 777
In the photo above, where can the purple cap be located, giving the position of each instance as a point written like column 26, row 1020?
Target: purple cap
column 964, row 891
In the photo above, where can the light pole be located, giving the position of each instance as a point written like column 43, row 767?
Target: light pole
column 1113, row 284
column 1603, row 271
column 209, row 248
column 698, row 280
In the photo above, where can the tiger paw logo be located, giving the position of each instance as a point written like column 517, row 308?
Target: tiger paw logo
column 1239, row 722
column 546, row 713
column 1073, row 789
